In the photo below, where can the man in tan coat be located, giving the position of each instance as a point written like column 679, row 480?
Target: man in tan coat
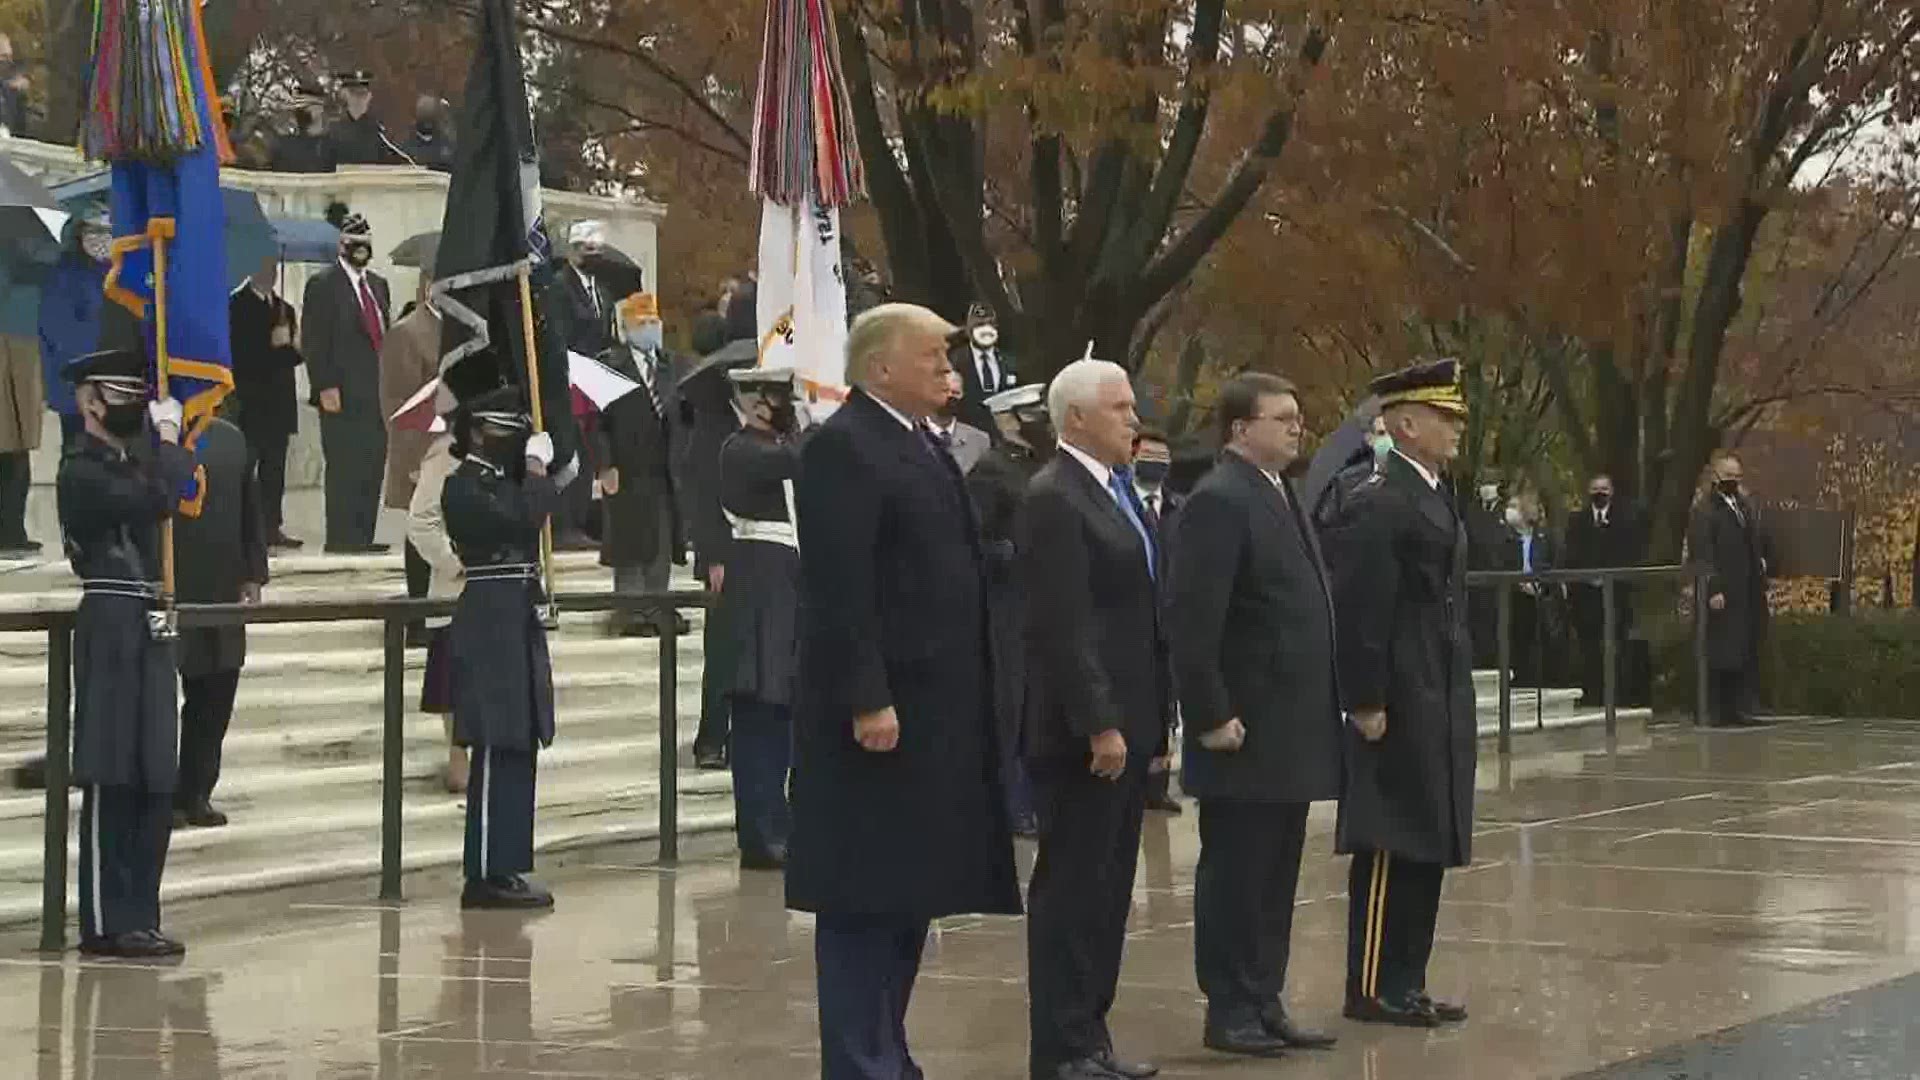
column 21, row 407
column 409, row 357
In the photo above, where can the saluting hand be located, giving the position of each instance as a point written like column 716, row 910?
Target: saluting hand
column 1371, row 723
column 1109, row 754
column 1226, row 738
column 877, row 732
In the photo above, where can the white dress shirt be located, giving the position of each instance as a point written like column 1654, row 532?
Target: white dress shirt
column 1101, row 473
column 986, row 365
column 905, row 420
column 1432, row 478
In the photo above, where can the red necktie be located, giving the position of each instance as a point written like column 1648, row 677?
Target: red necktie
column 370, row 314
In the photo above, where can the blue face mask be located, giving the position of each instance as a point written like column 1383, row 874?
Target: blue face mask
column 1382, row 446
column 647, row 337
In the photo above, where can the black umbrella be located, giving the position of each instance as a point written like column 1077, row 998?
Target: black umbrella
column 30, row 215
column 416, row 251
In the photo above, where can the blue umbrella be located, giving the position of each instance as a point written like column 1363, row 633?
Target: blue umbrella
column 305, row 240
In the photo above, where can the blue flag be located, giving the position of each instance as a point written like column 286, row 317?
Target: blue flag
column 153, row 116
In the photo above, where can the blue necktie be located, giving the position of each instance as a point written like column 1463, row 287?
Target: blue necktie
column 1120, row 483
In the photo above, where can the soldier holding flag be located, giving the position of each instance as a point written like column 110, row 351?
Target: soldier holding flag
column 117, row 482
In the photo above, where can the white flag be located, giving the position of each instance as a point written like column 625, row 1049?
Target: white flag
column 802, row 308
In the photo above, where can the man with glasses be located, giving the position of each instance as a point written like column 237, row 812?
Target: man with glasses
column 1251, row 625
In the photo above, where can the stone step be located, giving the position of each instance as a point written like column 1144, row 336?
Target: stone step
column 53, row 574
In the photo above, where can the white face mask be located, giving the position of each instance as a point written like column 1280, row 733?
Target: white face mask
column 1514, row 518
column 986, row 336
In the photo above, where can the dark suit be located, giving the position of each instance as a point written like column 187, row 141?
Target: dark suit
column 586, row 314
column 1535, row 614
column 1595, row 540
column 263, row 383
column 892, row 614
column 1725, row 538
column 220, row 547
column 1397, row 551
column 342, row 347
column 640, row 435
column 1097, row 660
column 1251, row 621
column 974, row 395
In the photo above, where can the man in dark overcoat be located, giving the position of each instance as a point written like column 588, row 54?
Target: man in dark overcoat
column 898, row 817
column 758, row 466
column 1098, row 712
column 1609, row 532
column 985, row 369
column 220, row 557
column 501, row 677
column 635, row 447
column 998, row 484
column 118, row 480
column 1398, row 552
column 345, row 321
column 264, row 332
column 1251, row 624
column 1725, row 538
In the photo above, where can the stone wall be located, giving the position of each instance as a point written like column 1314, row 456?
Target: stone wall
column 398, row 202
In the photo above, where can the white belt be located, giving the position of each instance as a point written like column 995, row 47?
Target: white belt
column 772, row 532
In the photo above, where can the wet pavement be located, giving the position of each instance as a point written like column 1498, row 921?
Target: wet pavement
column 1622, row 904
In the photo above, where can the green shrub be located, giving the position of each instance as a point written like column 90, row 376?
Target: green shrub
column 1866, row 664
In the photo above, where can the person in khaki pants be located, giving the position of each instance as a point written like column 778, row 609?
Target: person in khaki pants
column 22, row 404
column 427, row 534
column 409, row 359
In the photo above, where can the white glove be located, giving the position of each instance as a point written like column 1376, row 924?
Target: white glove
column 540, row 448
column 166, row 413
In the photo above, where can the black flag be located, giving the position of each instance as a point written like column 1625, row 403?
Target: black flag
column 493, row 226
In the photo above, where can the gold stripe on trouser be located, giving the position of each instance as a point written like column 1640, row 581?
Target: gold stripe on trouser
column 1376, row 925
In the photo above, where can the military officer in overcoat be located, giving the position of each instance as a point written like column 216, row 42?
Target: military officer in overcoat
column 1024, row 441
column 501, row 677
column 1397, row 550
column 758, row 465
column 121, row 476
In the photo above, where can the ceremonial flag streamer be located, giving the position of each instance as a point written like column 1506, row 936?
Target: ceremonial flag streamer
column 154, row 117
column 805, row 166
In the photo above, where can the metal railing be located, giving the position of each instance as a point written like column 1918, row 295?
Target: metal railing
column 394, row 614
column 1505, row 581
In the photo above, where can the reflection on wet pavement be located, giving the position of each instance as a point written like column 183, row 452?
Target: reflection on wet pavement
column 1621, row 902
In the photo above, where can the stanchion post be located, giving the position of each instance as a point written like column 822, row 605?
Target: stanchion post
column 393, row 752
column 53, row 883
column 1700, row 704
column 669, row 640
column 1504, row 620
column 1609, row 652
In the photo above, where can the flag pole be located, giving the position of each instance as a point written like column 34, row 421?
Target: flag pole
column 551, row 614
column 166, row 628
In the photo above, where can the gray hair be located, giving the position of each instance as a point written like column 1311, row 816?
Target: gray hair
column 1077, row 384
column 876, row 329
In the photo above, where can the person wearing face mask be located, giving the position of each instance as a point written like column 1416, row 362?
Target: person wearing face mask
column 121, row 478
column 1529, row 547
column 358, row 137
column 998, row 485
column 70, row 312
column 1725, row 538
column 1489, row 547
column 499, row 671
column 634, row 448
column 429, row 144
column 985, row 368
column 964, row 442
column 1608, row 532
column 758, row 465
column 344, row 325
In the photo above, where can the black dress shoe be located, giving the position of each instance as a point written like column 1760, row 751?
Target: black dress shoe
column 203, row 816
column 1403, row 1012
column 706, row 757
column 1132, row 1070
column 506, row 893
column 1278, row 1024
column 775, row 859
column 173, row 946
column 1166, row 804
column 138, row 945
column 282, row 540
column 1247, row 1038
column 1079, row 1069
column 1445, row 1011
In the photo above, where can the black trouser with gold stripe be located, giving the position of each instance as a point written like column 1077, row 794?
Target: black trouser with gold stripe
column 1392, row 905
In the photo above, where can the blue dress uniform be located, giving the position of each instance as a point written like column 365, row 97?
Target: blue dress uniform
column 113, row 495
column 502, row 680
column 1397, row 551
column 757, row 468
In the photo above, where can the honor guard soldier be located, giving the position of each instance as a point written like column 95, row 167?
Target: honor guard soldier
column 758, row 465
column 1398, row 551
column 120, row 478
column 1023, row 442
column 500, row 675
